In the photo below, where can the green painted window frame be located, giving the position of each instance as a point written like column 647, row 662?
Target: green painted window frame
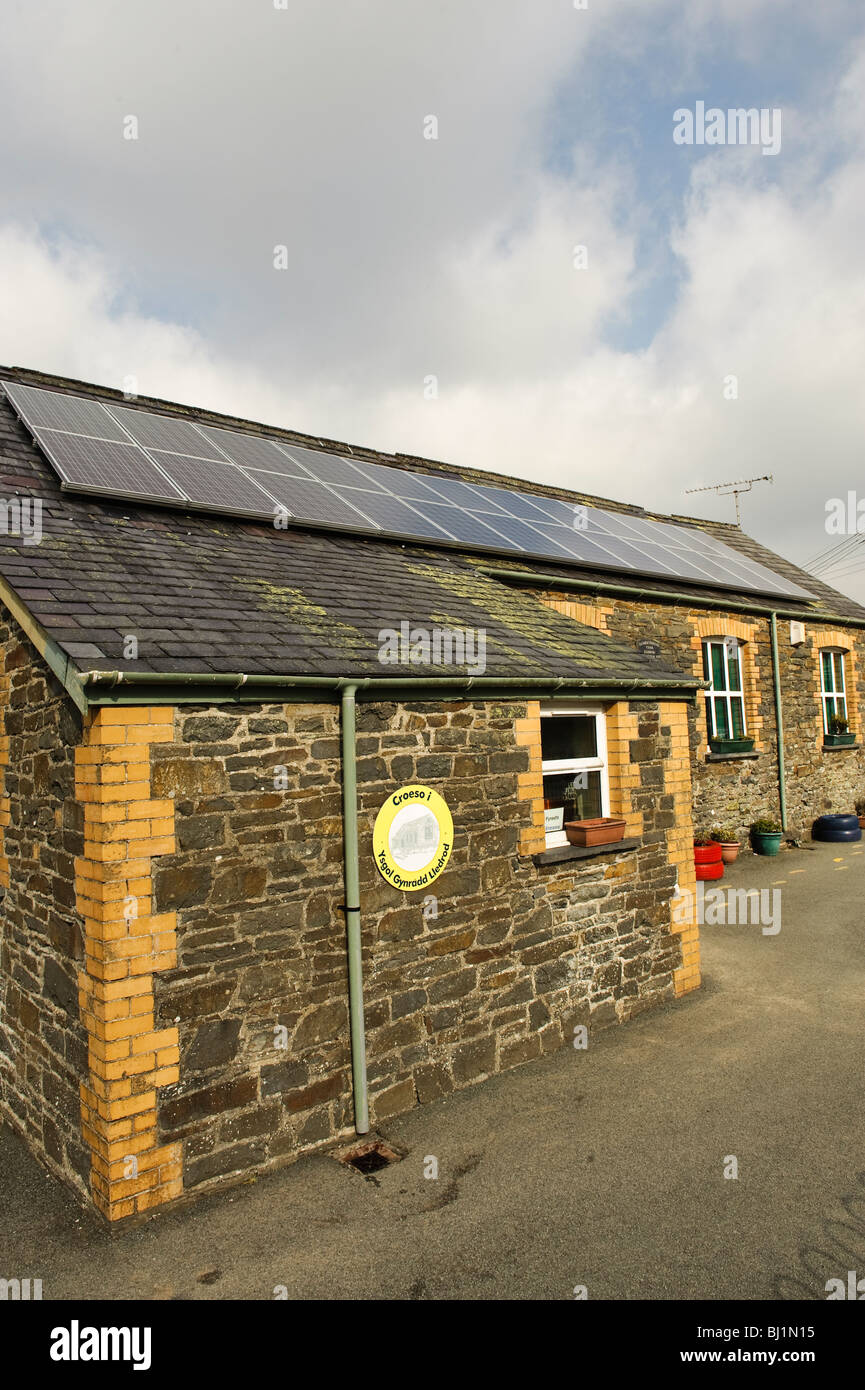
column 833, row 696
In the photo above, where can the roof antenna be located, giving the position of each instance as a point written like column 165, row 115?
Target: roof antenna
column 733, row 489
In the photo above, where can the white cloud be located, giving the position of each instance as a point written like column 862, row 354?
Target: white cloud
column 452, row 258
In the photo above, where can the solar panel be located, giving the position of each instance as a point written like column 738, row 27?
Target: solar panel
column 249, row 451
column 516, row 503
column 409, row 486
column 527, row 539
column 329, row 468
column 53, row 411
column 97, row 464
column 578, row 545
column 465, row 526
column 460, row 494
column 393, row 515
column 120, row 451
column 160, row 432
column 221, row 485
column 556, row 510
column 308, row 500
column 725, row 557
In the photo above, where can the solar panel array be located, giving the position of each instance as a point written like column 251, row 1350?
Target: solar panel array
column 118, row 451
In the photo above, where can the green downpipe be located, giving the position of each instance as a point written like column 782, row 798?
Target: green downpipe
column 352, row 909
column 779, row 718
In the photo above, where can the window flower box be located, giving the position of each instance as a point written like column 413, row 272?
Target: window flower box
column 602, row 830
column 838, row 740
column 731, row 745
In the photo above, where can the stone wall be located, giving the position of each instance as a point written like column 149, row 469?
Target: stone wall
column 43, row 1050
column 740, row 790
column 498, row 970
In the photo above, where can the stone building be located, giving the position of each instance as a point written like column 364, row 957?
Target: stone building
column 200, row 728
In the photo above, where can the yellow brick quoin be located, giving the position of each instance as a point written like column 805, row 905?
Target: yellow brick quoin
column 128, row 1057
column 680, row 847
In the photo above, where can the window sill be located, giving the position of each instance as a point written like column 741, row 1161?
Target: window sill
column 839, row 747
column 732, row 757
column 564, row 853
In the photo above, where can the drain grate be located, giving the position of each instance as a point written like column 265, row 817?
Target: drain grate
column 370, row 1157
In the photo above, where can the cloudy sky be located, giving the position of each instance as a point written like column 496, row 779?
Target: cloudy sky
column 303, row 125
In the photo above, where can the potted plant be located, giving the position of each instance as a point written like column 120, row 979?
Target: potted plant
column 860, row 811
column 766, row 836
column 601, row 830
column 838, row 735
column 731, row 745
column 728, row 838
column 708, row 863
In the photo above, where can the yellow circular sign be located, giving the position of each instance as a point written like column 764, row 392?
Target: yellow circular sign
column 413, row 837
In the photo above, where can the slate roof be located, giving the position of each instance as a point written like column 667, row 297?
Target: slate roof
column 208, row 594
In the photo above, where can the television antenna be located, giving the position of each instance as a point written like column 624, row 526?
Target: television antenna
column 733, row 489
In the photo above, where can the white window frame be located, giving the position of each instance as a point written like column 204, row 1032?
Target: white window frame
column 835, row 695
column 711, row 695
column 596, row 764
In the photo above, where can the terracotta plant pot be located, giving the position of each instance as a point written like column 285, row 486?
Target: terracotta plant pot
column 862, row 822
column 729, row 850
column 708, row 862
column 603, row 830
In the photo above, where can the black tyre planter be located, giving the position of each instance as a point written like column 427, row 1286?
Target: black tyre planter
column 836, row 829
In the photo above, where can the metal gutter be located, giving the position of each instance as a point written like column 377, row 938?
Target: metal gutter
column 352, row 910
column 629, row 591
column 145, row 687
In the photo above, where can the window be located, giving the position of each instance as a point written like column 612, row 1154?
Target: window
column 574, row 767
column 833, row 686
column 725, row 704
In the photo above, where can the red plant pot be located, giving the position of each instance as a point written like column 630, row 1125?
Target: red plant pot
column 708, row 862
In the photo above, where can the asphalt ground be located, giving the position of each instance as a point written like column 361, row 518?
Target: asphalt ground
column 601, row 1168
